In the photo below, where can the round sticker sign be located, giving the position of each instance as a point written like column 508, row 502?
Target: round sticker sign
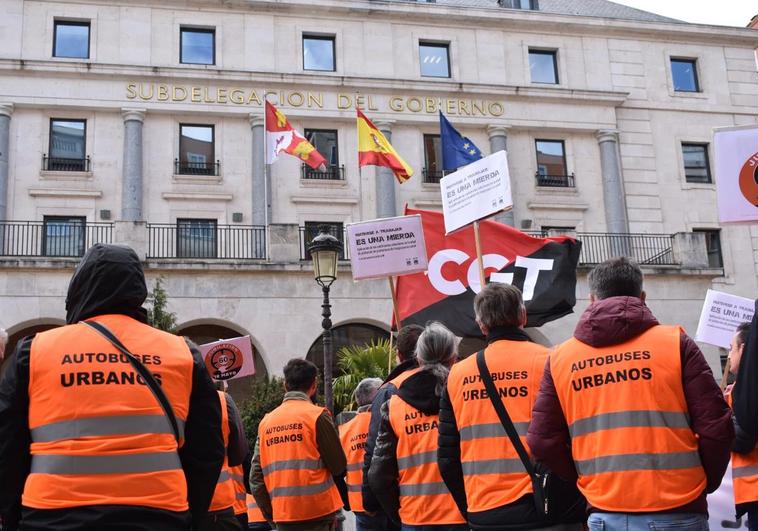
column 749, row 179
column 224, row 361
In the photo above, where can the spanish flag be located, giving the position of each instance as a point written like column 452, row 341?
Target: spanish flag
column 375, row 150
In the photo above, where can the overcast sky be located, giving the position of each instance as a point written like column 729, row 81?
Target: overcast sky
column 722, row 12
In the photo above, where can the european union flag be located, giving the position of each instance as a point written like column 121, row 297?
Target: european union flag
column 457, row 150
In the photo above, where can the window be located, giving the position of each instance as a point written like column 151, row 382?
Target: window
column 71, row 39
column 684, row 75
column 68, row 143
column 198, row 46
column 196, row 150
column 713, row 247
column 63, row 236
column 551, row 164
column 434, row 59
column 325, row 142
column 696, row 166
column 318, row 53
column 311, row 230
column 196, row 238
column 433, row 167
column 543, row 66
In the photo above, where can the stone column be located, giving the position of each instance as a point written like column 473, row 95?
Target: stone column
column 614, row 198
column 261, row 181
column 385, row 179
column 131, row 189
column 498, row 142
column 6, row 110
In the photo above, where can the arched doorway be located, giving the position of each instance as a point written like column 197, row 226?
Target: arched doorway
column 357, row 333
column 29, row 328
column 206, row 332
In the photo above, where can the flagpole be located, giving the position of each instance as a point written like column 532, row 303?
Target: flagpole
column 480, row 260
column 266, row 171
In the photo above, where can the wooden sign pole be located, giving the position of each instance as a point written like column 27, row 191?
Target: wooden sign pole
column 480, row 260
column 725, row 376
column 396, row 314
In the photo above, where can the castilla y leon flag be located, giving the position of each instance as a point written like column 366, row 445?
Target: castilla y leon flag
column 375, row 150
column 283, row 138
column 543, row 268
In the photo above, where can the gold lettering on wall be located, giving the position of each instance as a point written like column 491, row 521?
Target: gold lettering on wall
column 341, row 101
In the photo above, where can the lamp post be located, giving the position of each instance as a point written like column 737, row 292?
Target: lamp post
column 325, row 250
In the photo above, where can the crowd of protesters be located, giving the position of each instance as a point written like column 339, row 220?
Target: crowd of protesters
column 107, row 423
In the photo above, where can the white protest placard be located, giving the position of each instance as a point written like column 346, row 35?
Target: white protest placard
column 387, row 247
column 737, row 173
column 721, row 315
column 476, row 191
column 228, row 359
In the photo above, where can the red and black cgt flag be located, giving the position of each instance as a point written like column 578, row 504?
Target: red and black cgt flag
column 543, row 268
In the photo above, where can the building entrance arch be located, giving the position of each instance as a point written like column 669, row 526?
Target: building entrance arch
column 28, row 328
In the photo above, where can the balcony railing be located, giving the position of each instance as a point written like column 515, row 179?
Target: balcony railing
column 432, row 176
column 40, row 238
column 306, row 236
column 555, row 181
column 240, row 242
column 63, row 164
column 331, row 173
column 645, row 249
column 182, row 167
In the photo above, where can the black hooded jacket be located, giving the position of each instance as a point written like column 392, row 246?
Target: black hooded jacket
column 108, row 280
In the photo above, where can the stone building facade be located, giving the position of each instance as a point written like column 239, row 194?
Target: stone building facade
column 624, row 100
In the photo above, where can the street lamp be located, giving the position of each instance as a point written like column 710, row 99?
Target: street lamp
column 325, row 250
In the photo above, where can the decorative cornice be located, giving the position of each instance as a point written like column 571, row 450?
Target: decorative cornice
column 6, row 109
column 607, row 135
column 256, row 120
column 51, row 192
column 497, row 130
column 133, row 115
column 384, row 125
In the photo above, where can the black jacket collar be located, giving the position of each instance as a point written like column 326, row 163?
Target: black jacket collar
column 407, row 365
column 510, row 333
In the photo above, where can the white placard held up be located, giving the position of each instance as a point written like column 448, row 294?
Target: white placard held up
column 721, row 315
column 476, row 191
column 387, row 247
column 228, row 359
column 737, row 173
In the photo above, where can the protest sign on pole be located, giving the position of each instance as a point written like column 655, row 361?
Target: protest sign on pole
column 228, row 359
column 721, row 315
column 476, row 191
column 737, row 173
column 385, row 248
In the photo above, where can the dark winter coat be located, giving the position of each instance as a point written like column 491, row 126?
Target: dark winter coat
column 109, row 280
column 612, row 321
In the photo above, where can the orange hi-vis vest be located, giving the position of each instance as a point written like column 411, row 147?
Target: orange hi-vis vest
column 223, row 496
column 300, row 485
column 493, row 474
column 631, row 439
column 254, row 514
column 424, row 497
column 353, row 435
column 744, row 473
column 398, row 380
column 240, row 494
column 98, row 435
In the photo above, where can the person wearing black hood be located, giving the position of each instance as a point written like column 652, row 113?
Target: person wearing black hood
column 84, row 443
column 404, row 474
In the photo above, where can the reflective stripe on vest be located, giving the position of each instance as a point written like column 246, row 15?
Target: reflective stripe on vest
column 300, row 486
column 493, row 474
column 424, row 498
column 254, row 514
column 353, row 436
column 99, row 436
column 744, row 473
column 223, row 496
column 632, row 443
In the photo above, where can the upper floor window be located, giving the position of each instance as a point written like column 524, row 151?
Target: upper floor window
column 434, row 59
column 63, row 236
column 713, row 247
column 311, row 229
column 551, row 164
column 433, row 167
column 68, row 146
column 520, row 4
column 696, row 166
column 196, row 238
column 325, row 142
column 196, row 150
column 543, row 66
column 198, row 46
column 684, row 75
column 318, row 53
column 71, row 39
